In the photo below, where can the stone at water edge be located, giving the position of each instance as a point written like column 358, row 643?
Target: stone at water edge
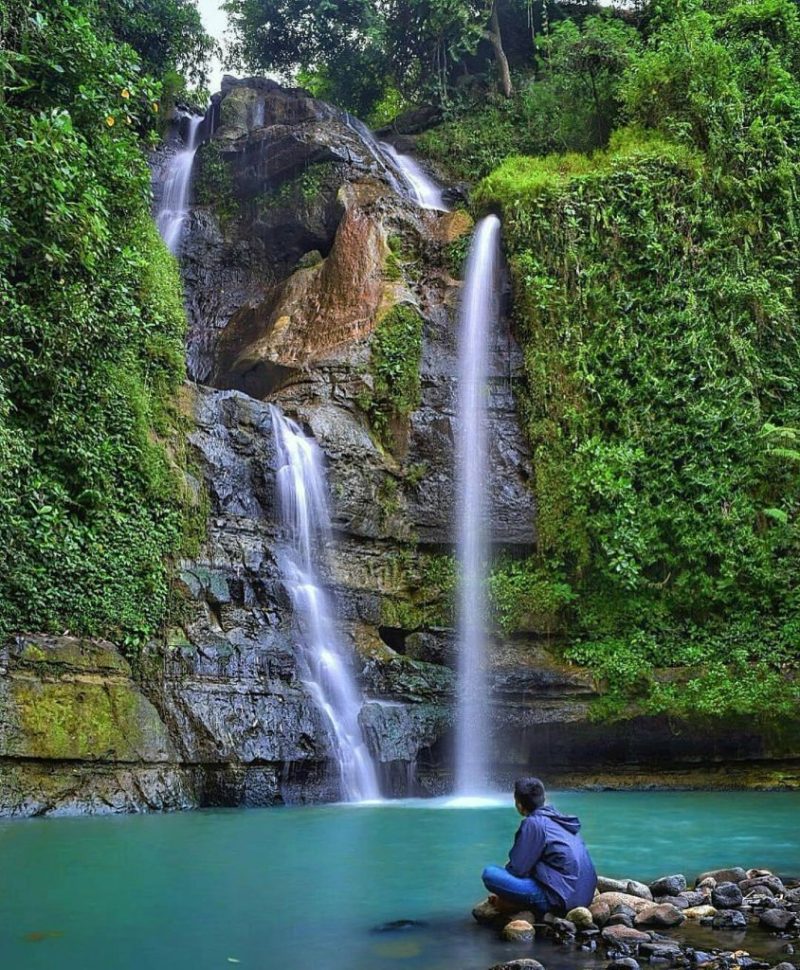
column 519, row 931
column 735, row 874
column 726, row 895
column 623, row 934
column 771, row 882
column 678, row 901
column 699, row 912
column 784, row 966
column 623, row 963
column 629, row 886
column 581, row 917
column 668, row 885
column 694, row 898
column 485, row 912
column 777, row 920
column 564, row 927
column 660, row 950
column 659, row 914
column 729, row 919
column 603, row 906
column 522, row 964
column 619, row 919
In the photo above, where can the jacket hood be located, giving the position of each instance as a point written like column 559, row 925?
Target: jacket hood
column 570, row 822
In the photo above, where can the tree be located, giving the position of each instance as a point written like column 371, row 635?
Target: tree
column 287, row 36
column 413, row 46
column 584, row 66
column 168, row 35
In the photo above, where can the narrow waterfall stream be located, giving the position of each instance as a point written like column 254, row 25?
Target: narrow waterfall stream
column 304, row 515
column 174, row 205
column 424, row 191
column 477, row 319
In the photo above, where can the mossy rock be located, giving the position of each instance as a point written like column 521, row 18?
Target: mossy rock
column 82, row 721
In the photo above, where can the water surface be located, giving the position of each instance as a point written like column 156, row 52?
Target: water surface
column 302, row 888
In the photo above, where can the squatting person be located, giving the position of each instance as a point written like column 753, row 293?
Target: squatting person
column 548, row 868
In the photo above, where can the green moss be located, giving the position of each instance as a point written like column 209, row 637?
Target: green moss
column 83, row 721
column 396, row 357
column 425, row 587
column 523, row 181
column 525, row 596
column 213, row 184
column 400, row 613
column 301, row 189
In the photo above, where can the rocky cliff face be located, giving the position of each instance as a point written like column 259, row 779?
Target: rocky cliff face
column 301, row 254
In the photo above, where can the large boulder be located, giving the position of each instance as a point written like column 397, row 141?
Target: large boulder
column 778, row 920
column 629, row 886
column 726, row 895
column 668, row 886
column 659, row 915
column 735, row 874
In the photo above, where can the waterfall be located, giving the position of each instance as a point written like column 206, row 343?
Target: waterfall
column 174, row 205
column 477, row 319
column 305, row 517
column 403, row 173
column 423, row 190
column 373, row 147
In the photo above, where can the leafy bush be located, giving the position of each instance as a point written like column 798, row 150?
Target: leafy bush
column 656, row 300
column 92, row 501
column 572, row 104
column 396, row 358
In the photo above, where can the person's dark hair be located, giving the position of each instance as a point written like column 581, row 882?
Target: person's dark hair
column 529, row 792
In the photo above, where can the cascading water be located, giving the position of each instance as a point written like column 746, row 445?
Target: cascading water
column 424, row 191
column 477, row 319
column 305, row 516
column 402, row 172
column 372, row 146
column 174, row 205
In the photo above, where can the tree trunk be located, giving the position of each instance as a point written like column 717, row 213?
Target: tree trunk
column 494, row 37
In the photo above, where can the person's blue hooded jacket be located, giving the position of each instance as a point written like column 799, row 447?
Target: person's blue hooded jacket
column 547, row 847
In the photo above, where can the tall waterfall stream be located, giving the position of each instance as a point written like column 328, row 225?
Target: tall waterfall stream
column 478, row 314
column 174, row 206
column 304, row 515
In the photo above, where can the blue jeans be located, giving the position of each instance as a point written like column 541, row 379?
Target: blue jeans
column 526, row 892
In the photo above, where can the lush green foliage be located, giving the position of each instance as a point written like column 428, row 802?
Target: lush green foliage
column 395, row 365
column 526, row 595
column 570, row 104
column 657, row 300
column 91, row 346
column 373, row 56
column 168, row 35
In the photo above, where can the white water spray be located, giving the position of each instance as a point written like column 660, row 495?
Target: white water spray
column 174, row 205
column 477, row 319
column 305, row 516
column 423, row 190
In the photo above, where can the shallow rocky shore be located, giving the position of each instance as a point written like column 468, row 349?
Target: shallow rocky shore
column 632, row 923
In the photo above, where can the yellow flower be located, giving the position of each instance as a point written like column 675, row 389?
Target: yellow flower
column 111, row 121
column 155, row 106
column 125, row 93
column 128, row 119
